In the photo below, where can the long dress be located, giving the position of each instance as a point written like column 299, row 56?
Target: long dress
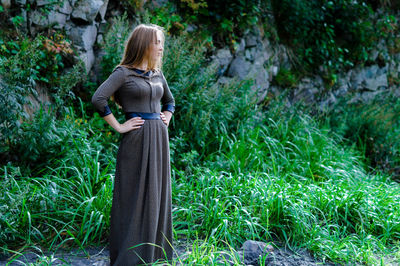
column 141, row 220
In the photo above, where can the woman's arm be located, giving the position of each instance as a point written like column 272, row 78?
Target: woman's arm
column 168, row 102
column 106, row 89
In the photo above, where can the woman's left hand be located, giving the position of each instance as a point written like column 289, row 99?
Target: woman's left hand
column 166, row 117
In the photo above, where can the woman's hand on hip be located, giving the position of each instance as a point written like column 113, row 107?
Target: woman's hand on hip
column 166, row 117
column 131, row 124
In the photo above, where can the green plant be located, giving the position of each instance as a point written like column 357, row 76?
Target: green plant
column 166, row 16
column 33, row 61
column 226, row 20
column 286, row 78
column 113, row 46
column 332, row 34
column 371, row 127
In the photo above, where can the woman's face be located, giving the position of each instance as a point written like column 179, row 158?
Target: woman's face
column 156, row 48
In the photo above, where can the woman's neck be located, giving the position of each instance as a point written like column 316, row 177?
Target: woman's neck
column 142, row 66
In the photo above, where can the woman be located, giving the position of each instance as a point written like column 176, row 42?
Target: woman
column 141, row 221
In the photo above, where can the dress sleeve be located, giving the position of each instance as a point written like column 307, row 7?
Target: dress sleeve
column 167, row 100
column 106, row 89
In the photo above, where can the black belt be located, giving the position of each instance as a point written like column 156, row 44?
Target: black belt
column 145, row 116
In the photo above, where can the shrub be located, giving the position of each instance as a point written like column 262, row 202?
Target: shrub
column 38, row 62
column 286, row 78
column 332, row 34
column 226, row 20
column 114, row 43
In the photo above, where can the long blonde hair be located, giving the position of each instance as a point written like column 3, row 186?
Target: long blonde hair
column 138, row 46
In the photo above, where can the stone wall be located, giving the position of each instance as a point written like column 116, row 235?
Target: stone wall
column 255, row 57
column 83, row 21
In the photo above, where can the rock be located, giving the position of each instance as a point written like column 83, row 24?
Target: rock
column 251, row 41
column 88, row 58
column 57, row 16
column 283, row 57
column 57, row 19
column 239, row 67
column 370, row 78
column 102, row 28
column 223, row 58
column 86, row 10
column 83, row 36
column 103, row 10
column 342, row 87
column 20, row 2
column 96, row 70
column 6, row 4
column 224, row 80
column 240, row 48
column 65, row 8
column 261, row 87
column 250, row 54
column 327, row 102
column 373, row 55
column 273, row 71
column 191, row 28
column 251, row 251
column 376, row 83
column 38, row 18
column 369, row 95
column 99, row 39
column 159, row 3
column 44, row 2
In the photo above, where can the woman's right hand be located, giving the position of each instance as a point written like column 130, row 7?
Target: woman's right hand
column 131, row 124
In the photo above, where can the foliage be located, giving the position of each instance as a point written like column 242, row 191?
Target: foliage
column 286, row 78
column 70, row 201
column 372, row 127
column 37, row 60
column 332, row 34
column 206, row 111
column 388, row 5
column 166, row 16
column 33, row 64
column 287, row 179
column 12, row 100
column 226, row 20
column 114, row 43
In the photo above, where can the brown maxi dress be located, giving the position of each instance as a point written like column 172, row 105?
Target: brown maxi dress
column 141, row 220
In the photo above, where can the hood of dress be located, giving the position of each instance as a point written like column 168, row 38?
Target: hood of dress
column 153, row 74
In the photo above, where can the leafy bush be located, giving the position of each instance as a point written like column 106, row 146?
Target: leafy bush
column 166, row 16
column 226, row 20
column 113, row 44
column 36, row 63
column 332, row 34
column 286, row 78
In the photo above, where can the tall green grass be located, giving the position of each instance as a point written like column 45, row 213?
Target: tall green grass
column 287, row 180
column 371, row 127
column 65, row 203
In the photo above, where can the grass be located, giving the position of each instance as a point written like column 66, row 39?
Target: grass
column 281, row 179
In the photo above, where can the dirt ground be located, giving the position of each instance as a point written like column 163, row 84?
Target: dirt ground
column 97, row 256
